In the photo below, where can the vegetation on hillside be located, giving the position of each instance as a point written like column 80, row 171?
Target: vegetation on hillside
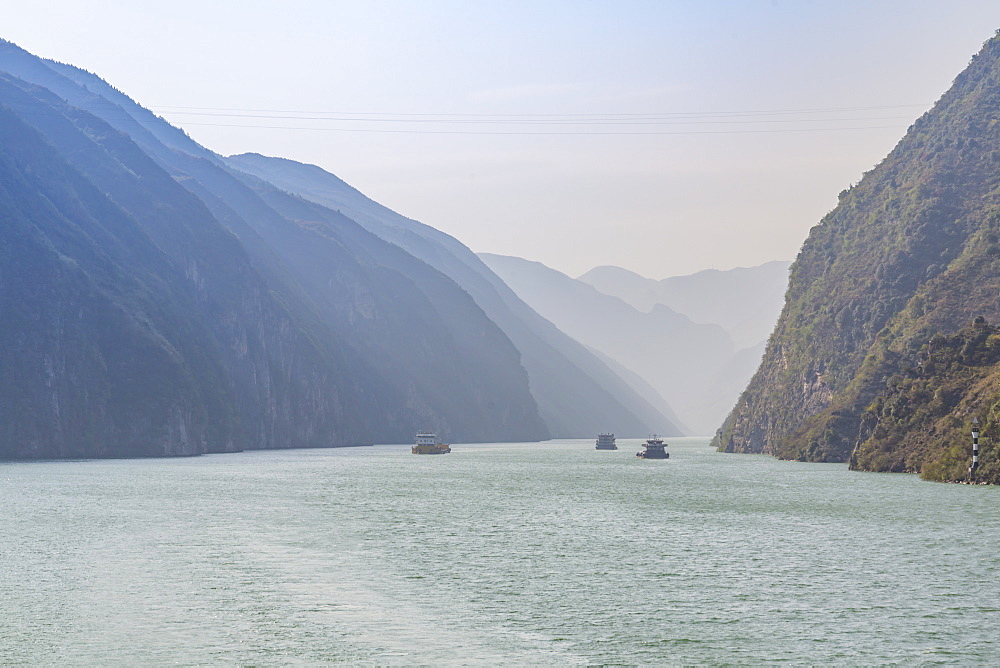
column 152, row 303
column 922, row 420
column 912, row 252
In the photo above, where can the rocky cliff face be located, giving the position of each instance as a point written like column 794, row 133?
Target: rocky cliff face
column 910, row 252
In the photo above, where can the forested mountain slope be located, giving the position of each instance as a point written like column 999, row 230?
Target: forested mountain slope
column 278, row 330
column 133, row 324
column 881, row 288
column 577, row 394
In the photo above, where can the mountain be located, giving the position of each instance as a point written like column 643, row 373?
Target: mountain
column 577, row 393
column 137, row 335
column 391, row 342
column 157, row 302
column 647, row 391
column 688, row 364
column 745, row 301
column 884, row 351
column 630, row 287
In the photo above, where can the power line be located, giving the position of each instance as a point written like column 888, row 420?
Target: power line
column 522, row 116
column 611, row 121
column 552, row 122
column 567, row 133
column 597, row 123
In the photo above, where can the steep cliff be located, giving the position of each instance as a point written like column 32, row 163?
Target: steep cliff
column 577, row 393
column 155, row 303
column 921, row 422
column 139, row 337
column 910, row 252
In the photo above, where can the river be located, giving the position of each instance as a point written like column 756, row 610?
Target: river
column 546, row 553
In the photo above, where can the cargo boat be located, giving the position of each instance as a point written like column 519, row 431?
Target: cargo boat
column 428, row 444
column 653, row 448
column 606, row 442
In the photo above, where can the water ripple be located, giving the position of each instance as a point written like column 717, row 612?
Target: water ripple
column 501, row 554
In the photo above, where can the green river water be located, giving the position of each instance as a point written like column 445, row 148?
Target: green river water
column 519, row 554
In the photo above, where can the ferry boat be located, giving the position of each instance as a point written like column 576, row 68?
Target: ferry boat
column 606, row 442
column 653, row 448
column 428, row 444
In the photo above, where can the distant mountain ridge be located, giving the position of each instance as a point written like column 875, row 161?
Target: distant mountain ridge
column 695, row 366
column 745, row 301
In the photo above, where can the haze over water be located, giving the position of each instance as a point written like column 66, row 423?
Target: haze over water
column 549, row 553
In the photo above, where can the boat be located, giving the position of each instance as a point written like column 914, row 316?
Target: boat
column 606, row 442
column 428, row 444
column 653, row 448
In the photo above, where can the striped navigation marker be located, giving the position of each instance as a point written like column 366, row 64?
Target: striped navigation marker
column 975, row 447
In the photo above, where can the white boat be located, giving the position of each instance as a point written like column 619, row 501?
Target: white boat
column 606, row 442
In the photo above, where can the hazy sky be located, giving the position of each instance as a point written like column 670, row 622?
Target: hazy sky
column 665, row 137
